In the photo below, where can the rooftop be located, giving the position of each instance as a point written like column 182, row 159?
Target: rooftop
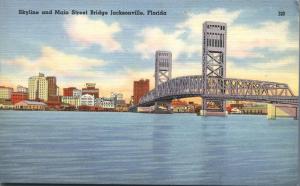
column 33, row 102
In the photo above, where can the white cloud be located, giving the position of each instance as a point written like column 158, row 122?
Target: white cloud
column 86, row 32
column 243, row 39
column 289, row 61
column 194, row 21
column 56, row 62
column 156, row 39
column 186, row 68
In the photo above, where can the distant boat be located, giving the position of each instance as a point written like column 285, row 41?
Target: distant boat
column 235, row 111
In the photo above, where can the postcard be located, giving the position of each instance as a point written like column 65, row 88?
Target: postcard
column 195, row 92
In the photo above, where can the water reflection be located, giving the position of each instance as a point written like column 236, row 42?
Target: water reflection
column 114, row 148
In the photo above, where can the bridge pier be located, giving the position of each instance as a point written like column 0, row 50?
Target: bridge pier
column 163, row 107
column 212, row 107
column 211, row 113
column 282, row 110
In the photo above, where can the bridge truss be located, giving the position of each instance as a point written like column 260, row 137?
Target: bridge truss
column 221, row 89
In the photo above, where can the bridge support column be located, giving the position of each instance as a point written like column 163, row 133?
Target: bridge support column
column 212, row 107
column 163, row 107
column 271, row 112
column 282, row 110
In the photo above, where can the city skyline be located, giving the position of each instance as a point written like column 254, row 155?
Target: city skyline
column 261, row 44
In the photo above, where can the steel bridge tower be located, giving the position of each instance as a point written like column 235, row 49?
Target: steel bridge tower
column 163, row 67
column 214, row 65
column 163, row 73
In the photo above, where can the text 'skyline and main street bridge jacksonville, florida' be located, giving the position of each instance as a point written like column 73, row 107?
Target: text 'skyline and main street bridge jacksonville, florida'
column 212, row 85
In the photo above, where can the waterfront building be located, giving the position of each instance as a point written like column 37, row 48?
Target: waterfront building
column 106, row 103
column 53, row 92
column 118, row 99
column 18, row 96
column 38, row 87
column 180, row 106
column 54, row 101
column 77, row 93
column 72, row 91
column 87, row 100
column 120, row 103
column 68, row 91
column 71, row 100
column 6, row 106
column 22, row 89
column 43, row 88
column 5, row 92
column 52, row 86
column 30, row 105
column 91, row 90
column 122, row 108
column 118, row 96
column 140, row 88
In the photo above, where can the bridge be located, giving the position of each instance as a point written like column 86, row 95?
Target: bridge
column 232, row 89
column 212, row 85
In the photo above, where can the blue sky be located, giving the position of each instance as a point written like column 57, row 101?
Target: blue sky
column 112, row 51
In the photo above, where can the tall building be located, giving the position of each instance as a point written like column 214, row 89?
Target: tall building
column 91, row 90
column 53, row 97
column 38, row 87
column 163, row 67
column 140, row 88
column 42, row 88
column 5, row 92
column 52, row 87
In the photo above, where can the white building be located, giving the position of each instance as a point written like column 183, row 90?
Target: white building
column 118, row 99
column 119, row 96
column 22, row 89
column 5, row 92
column 87, row 100
column 77, row 93
column 38, row 87
column 71, row 100
column 107, row 103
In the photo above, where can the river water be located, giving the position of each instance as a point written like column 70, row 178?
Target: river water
column 135, row 148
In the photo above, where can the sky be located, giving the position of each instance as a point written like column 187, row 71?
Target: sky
column 113, row 51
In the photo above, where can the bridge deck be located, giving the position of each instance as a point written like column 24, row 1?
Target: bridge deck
column 221, row 88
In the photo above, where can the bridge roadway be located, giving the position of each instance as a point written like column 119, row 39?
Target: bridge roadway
column 222, row 89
